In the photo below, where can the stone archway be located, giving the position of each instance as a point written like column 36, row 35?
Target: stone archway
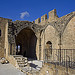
column 26, row 43
column 16, row 29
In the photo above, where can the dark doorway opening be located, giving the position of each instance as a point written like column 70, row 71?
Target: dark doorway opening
column 26, row 43
column 48, row 51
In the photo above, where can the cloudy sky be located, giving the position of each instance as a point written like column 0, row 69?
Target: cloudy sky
column 33, row 9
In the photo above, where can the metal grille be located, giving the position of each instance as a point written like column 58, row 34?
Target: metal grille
column 64, row 57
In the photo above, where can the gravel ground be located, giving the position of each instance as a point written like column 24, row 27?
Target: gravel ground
column 8, row 69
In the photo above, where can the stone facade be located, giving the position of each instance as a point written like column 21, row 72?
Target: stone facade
column 59, row 31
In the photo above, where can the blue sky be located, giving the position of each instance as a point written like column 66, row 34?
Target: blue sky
column 33, row 9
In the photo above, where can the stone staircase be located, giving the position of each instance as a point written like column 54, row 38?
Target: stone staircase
column 21, row 61
column 27, row 66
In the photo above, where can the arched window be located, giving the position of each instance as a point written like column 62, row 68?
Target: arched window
column 18, row 49
column 49, row 42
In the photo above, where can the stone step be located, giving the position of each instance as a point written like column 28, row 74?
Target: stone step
column 20, row 58
column 22, row 65
column 17, row 56
column 23, row 58
column 22, row 61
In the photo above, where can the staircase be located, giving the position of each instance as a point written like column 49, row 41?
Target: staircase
column 21, row 61
column 26, row 65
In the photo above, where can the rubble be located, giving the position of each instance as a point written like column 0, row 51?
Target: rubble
column 4, row 61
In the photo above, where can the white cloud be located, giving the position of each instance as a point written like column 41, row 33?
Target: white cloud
column 23, row 14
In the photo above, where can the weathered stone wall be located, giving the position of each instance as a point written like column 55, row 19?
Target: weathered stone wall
column 60, row 31
column 51, row 35
column 68, row 39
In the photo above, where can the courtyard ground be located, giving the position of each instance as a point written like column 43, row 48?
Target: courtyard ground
column 8, row 69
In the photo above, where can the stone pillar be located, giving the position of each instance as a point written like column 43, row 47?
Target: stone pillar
column 39, row 39
column 10, row 48
column 44, row 47
column 39, row 48
column 59, row 51
column 17, row 49
column 13, row 49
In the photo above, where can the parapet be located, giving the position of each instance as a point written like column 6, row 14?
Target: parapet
column 37, row 21
column 44, row 18
column 52, row 16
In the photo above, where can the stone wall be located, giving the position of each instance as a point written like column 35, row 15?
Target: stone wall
column 50, row 34
column 60, row 31
column 68, row 37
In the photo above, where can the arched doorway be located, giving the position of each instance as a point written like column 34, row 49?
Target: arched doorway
column 26, row 43
column 48, row 50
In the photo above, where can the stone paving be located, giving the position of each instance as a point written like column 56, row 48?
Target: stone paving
column 8, row 69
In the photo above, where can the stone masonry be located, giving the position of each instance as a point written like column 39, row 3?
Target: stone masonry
column 30, row 39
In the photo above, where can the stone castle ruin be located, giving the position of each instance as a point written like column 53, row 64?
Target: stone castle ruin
column 50, row 40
